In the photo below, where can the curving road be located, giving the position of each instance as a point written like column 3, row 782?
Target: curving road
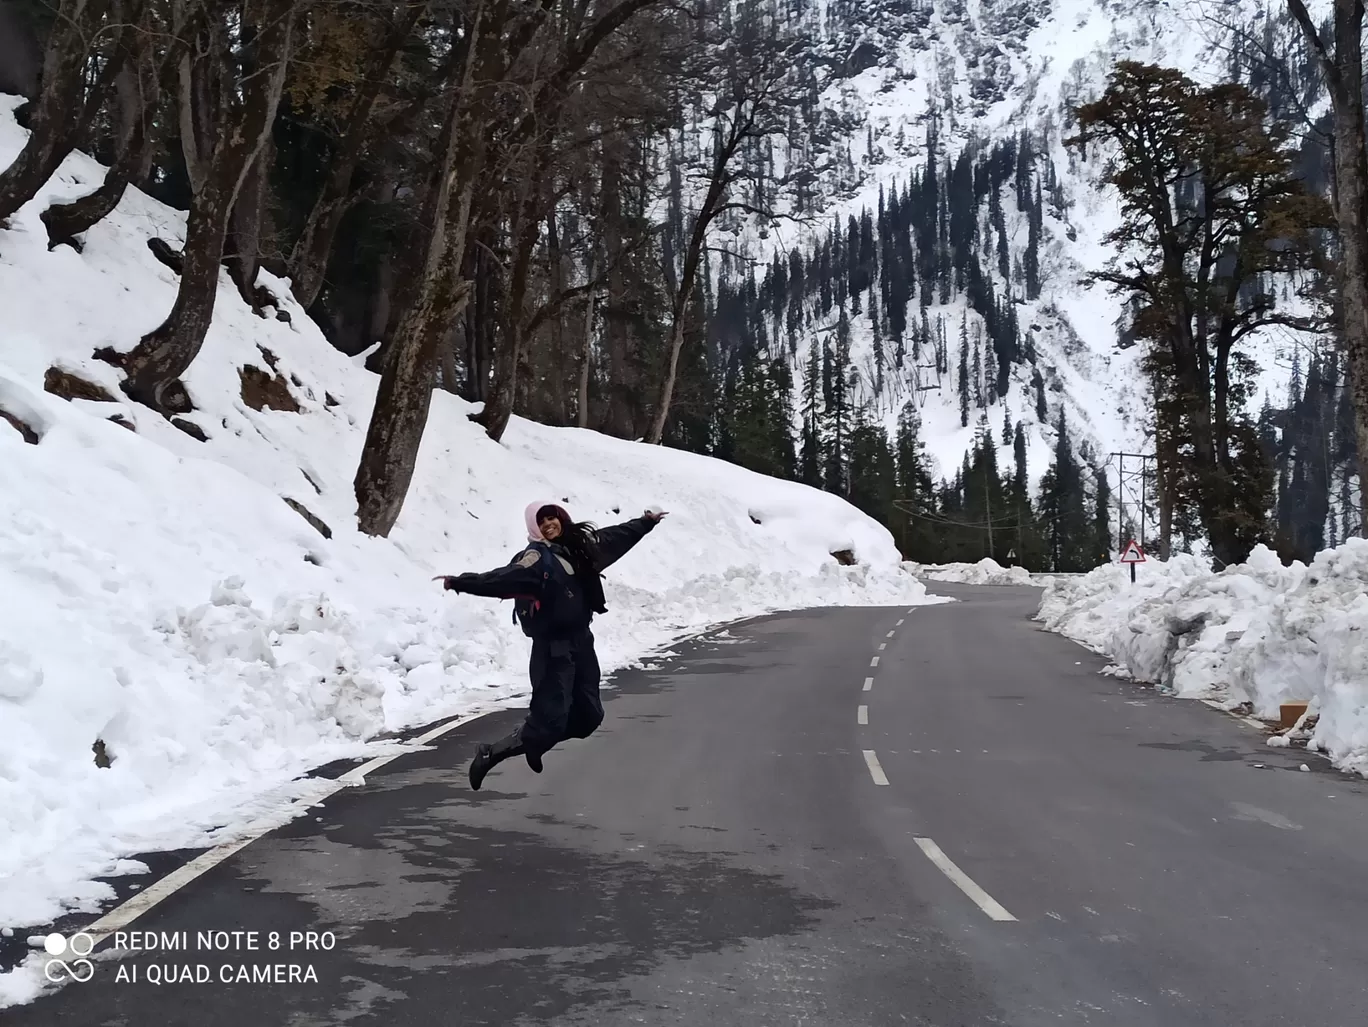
column 774, row 828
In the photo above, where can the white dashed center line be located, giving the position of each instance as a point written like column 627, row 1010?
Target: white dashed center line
column 875, row 771
column 900, row 623
column 883, row 645
column 869, row 683
column 874, row 662
column 891, row 633
column 862, row 715
column 981, row 898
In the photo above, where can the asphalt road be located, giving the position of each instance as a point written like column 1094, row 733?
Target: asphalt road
column 735, row 847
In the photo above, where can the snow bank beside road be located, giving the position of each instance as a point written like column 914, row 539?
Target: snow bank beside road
column 1257, row 633
column 159, row 596
column 986, row 572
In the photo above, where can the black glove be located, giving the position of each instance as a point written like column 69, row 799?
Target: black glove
column 452, row 583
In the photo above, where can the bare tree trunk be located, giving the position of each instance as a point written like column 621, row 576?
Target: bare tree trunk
column 165, row 353
column 1351, row 171
column 1164, row 484
column 57, row 114
column 679, row 309
column 449, row 375
column 404, row 396
column 555, row 260
column 662, row 414
column 244, row 227
column 1344, row 76
column 139, row 94
column 618, row 415
column 479, row 321
column 587, row 354
column 498, row 409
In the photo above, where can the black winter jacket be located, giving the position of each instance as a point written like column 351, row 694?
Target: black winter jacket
column 568, row 599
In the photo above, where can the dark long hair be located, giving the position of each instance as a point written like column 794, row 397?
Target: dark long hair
column 579, row 539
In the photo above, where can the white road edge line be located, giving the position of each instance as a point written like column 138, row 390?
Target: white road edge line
column 1249, row 719
column 126, row 912
column 875, row 771
column 963, row 881
column 862, row 715
column 869, row 683
column 874, row 662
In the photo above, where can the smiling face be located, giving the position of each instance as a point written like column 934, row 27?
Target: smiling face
column 550, row 528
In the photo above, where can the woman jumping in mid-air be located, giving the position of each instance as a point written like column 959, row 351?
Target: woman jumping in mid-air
column 557, row 585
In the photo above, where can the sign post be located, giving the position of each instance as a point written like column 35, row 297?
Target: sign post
column 1132, row 554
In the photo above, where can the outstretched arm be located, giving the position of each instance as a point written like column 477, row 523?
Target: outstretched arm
column 522, row 577
column 615, row 541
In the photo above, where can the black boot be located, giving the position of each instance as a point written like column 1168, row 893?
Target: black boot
column 488, row 756
column 534, row 761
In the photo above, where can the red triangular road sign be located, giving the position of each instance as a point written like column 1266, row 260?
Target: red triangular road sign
column 1132, row 553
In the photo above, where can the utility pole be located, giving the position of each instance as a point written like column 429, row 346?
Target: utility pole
column 985, row 439
column 1126, row 485
column 1144, row 509
column 988, row 505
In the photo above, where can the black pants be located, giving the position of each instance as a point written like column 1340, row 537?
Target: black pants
column 565, row 692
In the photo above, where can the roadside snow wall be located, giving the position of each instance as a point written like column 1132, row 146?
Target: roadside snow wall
column 1258, row 632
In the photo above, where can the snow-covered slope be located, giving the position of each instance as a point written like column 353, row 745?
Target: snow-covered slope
column 159, row 596
column 1257, row 633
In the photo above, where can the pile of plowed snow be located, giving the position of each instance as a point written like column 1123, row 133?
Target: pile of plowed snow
column 986, row 572
column 1258, row 632
column 158, row 595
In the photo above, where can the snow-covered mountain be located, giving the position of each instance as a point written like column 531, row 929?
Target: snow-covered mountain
column 907, row 82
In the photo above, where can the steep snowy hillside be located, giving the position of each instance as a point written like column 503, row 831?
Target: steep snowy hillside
column 911, row 84
column 190, row 599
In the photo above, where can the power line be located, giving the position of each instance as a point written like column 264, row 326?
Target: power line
column 976, row 525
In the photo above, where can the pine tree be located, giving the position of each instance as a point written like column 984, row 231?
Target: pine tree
column 1070, row 533
column 915, row 494
column 1102, row 544
column 1031, row 261
column 873, row 471
column 942, row 350
column 985, row 499
column 810, row 456
column 964, row 378
column 990, row 375
column 1029, row 548
column 1195, row 164
column 1038, row 384
column 976, row 371
column 1020, row 482
column 839, row 382
column 781, row 417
